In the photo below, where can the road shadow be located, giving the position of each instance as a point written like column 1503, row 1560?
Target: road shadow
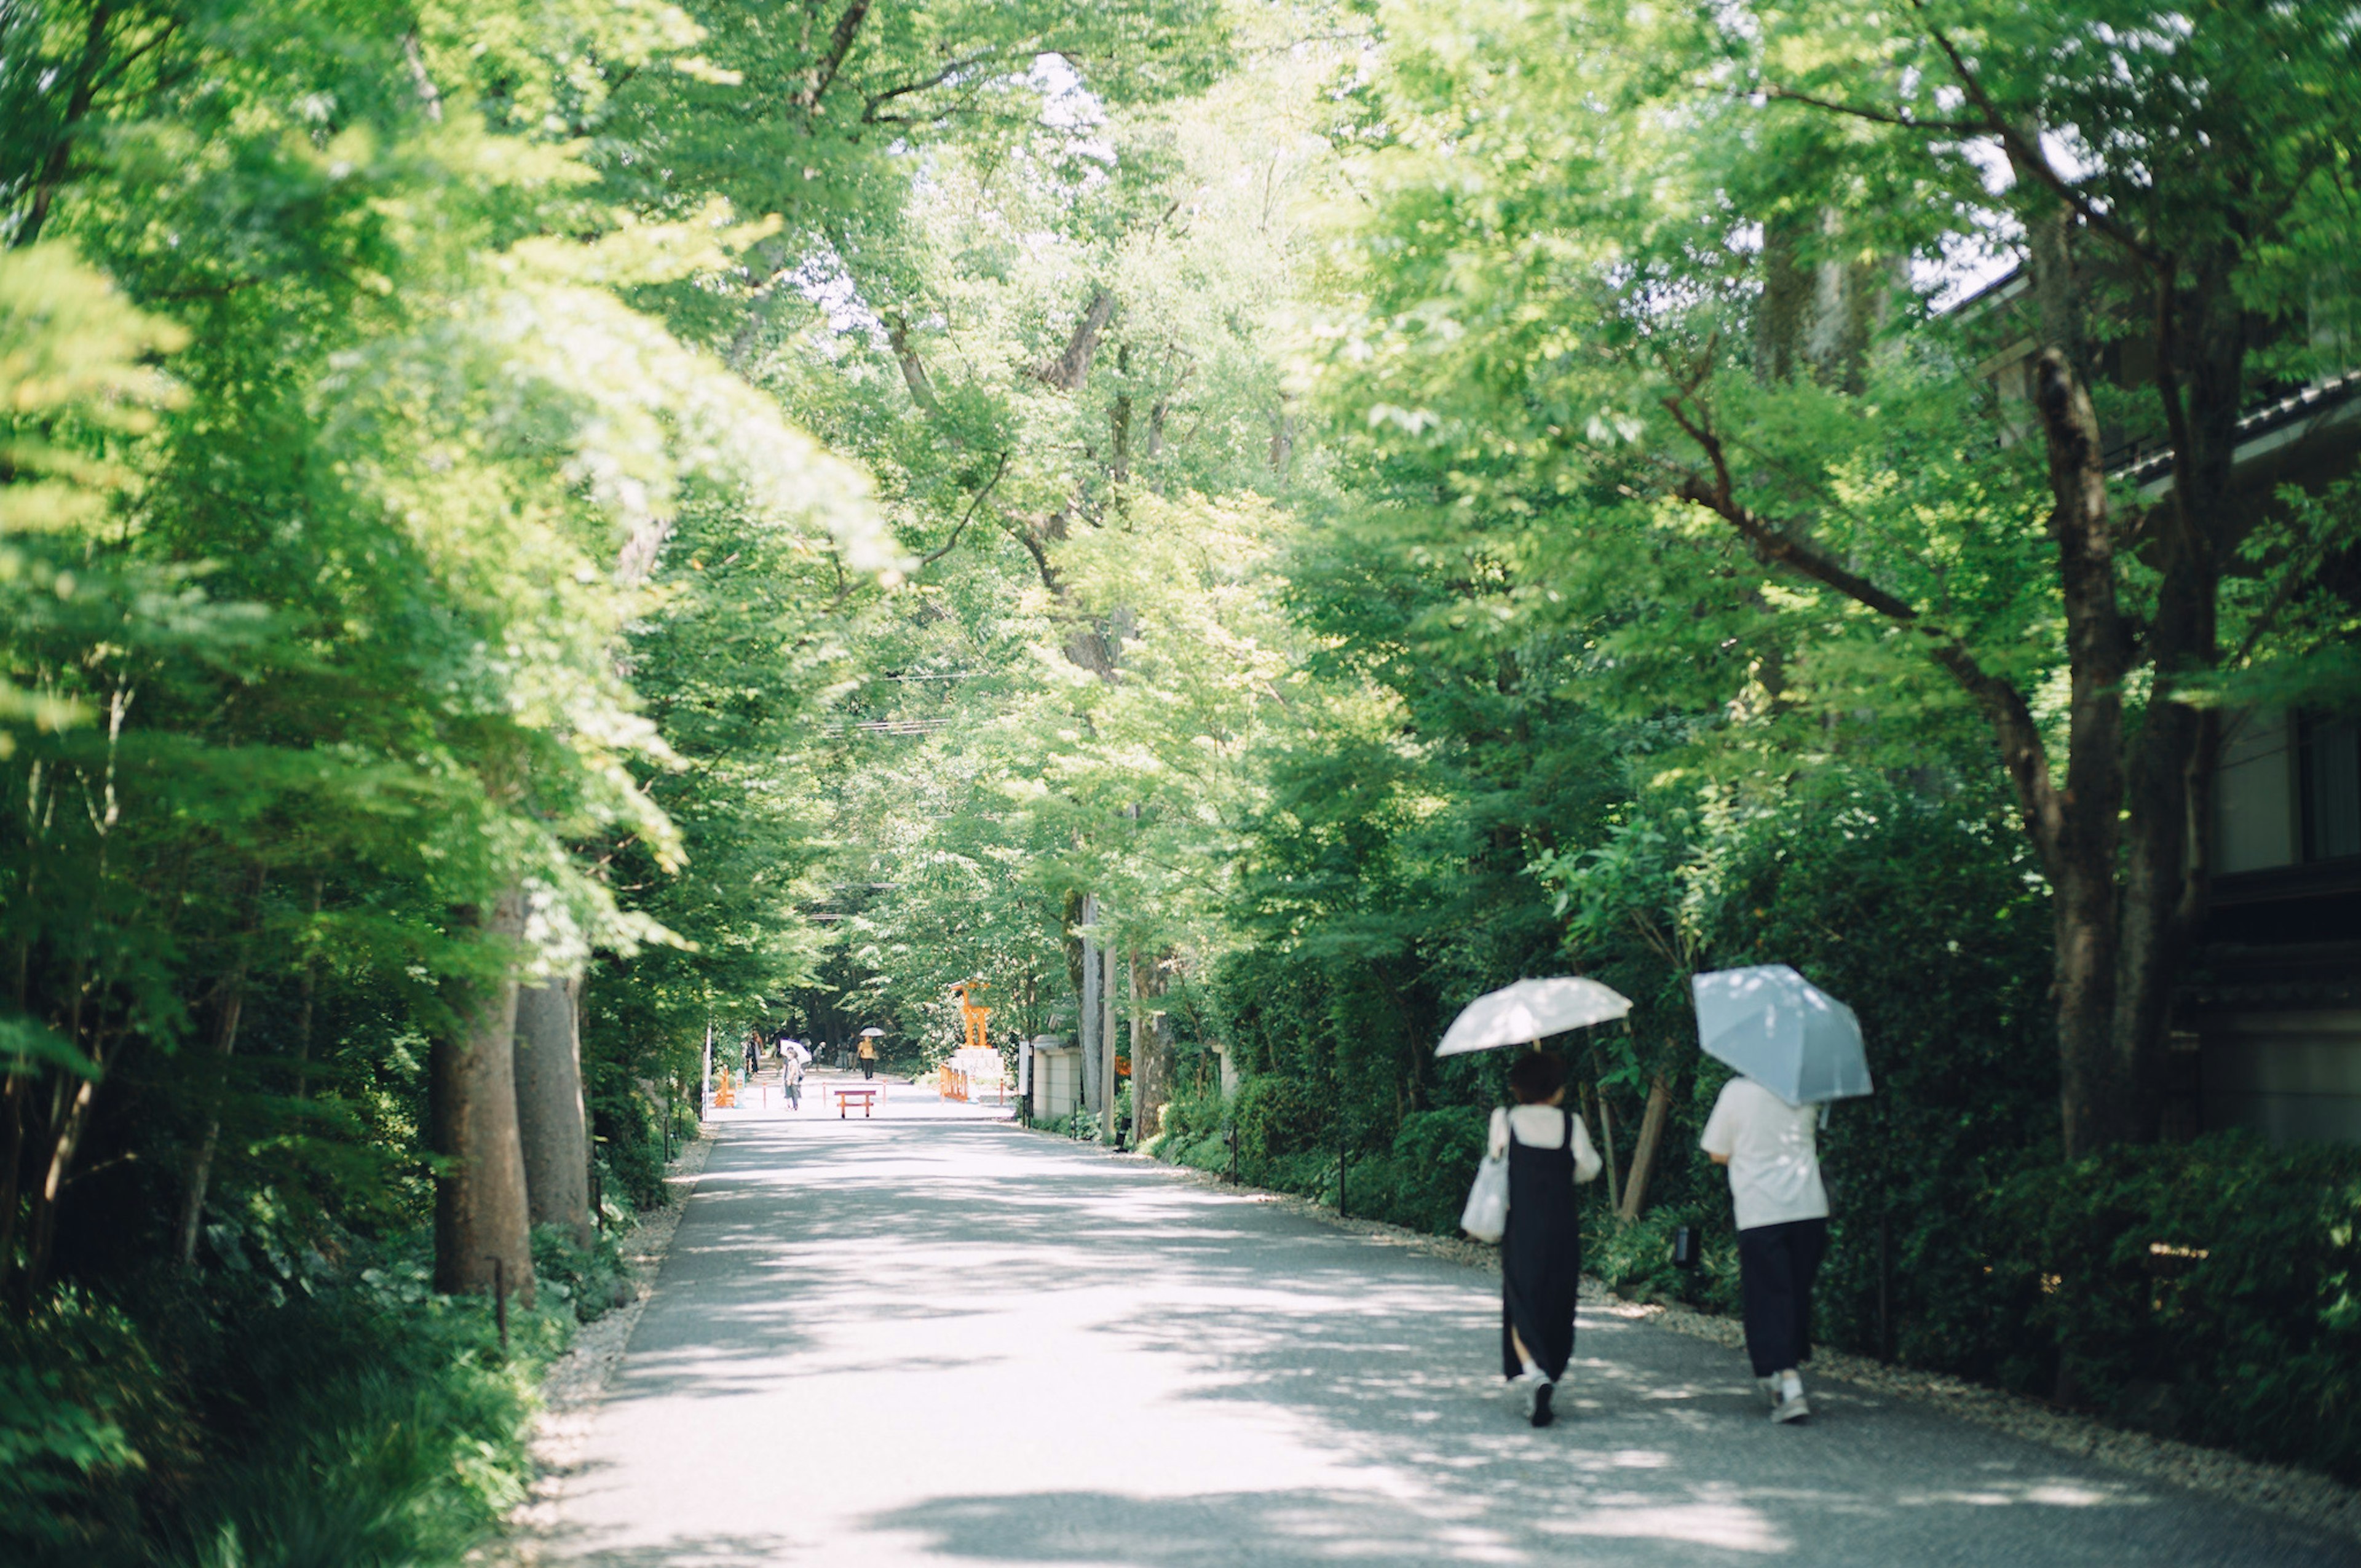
column 990, row 1257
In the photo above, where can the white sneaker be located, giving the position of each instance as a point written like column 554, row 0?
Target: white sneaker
column 1791, row 1405
column 1525, row 1389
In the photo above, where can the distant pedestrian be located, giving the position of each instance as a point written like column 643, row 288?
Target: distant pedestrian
column 1773, row 1153
column 791, row 1074
column 754, row 1052
column 868, row 1054
column 1549, row 1153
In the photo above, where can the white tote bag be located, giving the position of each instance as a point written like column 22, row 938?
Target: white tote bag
column 1487, row 1215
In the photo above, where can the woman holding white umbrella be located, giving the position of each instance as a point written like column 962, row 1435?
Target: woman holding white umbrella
column 1540, row 1151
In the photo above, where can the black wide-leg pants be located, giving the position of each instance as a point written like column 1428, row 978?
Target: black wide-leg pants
column 1776, row 1265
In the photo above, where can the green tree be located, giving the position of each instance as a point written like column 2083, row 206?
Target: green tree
column 1635, row 310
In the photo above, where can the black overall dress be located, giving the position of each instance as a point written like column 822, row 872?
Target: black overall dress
column 1540, row 1257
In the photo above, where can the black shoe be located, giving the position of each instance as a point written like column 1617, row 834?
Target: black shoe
column 1543, row 1414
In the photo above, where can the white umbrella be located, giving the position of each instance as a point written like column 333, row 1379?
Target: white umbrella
column 873, row 1034
column 1783, row 1032
column 1529, row 1010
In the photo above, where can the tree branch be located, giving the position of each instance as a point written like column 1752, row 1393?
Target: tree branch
column 1033, row 535
column 428, row 96
column 2292, row 582
column 1876, row 116
column 2030, row 152
column 914, row 369
column 128, row 58
column 840, row 44
column 2167, row 387
column 1068, row 371
column 972, row 505
column 877, row 100
column 1775, row 543
column 2022, row 751
column 59, row 161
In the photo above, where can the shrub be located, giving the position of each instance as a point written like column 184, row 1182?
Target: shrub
column 592, row 1280
column 79, row 1403
column 1192, row 1115
column 1277, row 1116
column 630, row 1146
column 1434, row 1162
column 356, row 1419
column 2210, row 1290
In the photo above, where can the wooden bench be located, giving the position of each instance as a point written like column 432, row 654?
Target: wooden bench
column 844, row 1097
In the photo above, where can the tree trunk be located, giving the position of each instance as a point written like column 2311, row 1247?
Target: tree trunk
column 69, row 1117
column 1643, row 1157
column 480, row 1210
column 308, row 991
column 1150, row 1081
column 2077, row 828
column 1786, row 298
column 201, row 1162
column 2084, row 933
column 1606, row 1149
column 12, row 1098
column 2202, row 342
column 1086, row 1029
column 1119, row 419
column 1072, row 367
column 551, row 1122
column 914, row 369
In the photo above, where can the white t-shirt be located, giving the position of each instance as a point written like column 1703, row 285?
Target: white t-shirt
column 1543, row 1127
column 1775, row 1161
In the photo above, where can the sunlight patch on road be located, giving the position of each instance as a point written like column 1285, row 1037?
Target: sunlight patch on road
column 1734, row 1527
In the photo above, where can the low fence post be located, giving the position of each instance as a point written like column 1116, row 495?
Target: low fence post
column 1340, row 1169
column 500, row 1299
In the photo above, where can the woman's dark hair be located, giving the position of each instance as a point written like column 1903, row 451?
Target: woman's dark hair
column 1537, row 1076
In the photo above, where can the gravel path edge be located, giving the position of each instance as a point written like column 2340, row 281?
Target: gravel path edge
column 576, row 1381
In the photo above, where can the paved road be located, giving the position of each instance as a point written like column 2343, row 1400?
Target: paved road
column 923, row 1339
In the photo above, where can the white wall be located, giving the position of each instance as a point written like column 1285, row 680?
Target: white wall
column 1057, row 1081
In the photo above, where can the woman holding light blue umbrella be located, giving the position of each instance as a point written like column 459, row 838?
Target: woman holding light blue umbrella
column 1796, row 1048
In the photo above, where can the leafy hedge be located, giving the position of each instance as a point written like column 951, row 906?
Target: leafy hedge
column 1287, row 1143
column 2209, row 1290
column 1950, row 1208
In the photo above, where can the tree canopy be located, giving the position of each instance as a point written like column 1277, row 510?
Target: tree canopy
column 745, row 517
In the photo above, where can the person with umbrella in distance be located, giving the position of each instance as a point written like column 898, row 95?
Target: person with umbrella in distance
column 867, row 1051
column 1796, row 1047
column 792, row 1058
column 1543, row 1152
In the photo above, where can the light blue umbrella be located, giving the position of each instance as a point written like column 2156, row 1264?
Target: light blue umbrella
column 1783, row 1032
